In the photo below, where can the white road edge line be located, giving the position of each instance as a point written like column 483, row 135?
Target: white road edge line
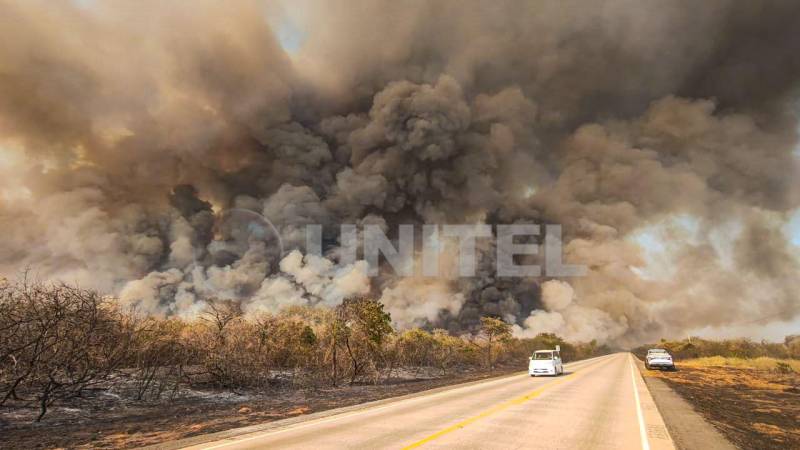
column 234, row 440
column 642, row 430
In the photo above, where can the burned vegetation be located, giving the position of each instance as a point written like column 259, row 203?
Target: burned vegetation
column 77, row 355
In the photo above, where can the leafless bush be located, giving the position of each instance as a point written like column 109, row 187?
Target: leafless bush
column 159, row 356
column 57, row 340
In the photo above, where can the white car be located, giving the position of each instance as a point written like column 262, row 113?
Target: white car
column 545, row 362
column 659, row 358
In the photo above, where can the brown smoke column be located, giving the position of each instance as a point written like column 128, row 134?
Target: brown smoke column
column 126, row 127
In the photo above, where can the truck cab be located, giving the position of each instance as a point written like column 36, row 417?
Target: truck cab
column 545, row 362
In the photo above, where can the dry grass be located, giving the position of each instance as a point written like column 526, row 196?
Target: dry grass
column 762, row 363
column 752, row 401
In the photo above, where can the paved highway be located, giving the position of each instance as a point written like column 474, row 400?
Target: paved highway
column 601, row 403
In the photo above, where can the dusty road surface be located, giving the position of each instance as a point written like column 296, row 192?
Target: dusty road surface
column 598, row 403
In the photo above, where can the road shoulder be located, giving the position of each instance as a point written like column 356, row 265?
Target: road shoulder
column 655, row 435
column 689, row 430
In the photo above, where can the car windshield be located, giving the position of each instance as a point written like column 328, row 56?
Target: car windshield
column 544, row 355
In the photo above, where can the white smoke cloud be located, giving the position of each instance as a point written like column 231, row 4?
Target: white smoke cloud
column 567, row 318
column 418, row 302
column 323, row 280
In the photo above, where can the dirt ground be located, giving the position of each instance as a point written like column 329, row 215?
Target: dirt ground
column 754, row 409
column 101, row 421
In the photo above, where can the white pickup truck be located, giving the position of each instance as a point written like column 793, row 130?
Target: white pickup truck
column 659, row 358
column 545, row 362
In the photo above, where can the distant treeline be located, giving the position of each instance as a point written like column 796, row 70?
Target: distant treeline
column 58, row 341
column 729, row 348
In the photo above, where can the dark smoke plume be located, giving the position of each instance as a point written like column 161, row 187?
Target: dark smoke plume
column 127, row 129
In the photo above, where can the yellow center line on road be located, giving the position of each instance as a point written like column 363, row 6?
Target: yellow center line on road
column 260, row 435
column 502, row 406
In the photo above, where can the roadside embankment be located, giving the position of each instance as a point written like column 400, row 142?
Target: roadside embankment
column 753, row 403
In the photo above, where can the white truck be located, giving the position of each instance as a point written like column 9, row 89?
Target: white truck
column 658, row 358
column 546, row 362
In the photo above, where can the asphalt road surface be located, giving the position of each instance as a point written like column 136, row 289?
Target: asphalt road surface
column 601, row 403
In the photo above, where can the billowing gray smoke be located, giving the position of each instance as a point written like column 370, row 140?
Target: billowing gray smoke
column 127, row 130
